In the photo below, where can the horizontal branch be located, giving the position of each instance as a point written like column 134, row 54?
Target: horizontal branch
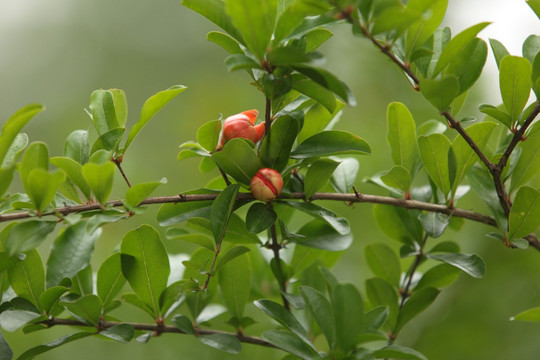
column 160, row 329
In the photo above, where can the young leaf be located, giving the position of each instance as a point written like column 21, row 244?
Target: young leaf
column 208, row 135
column 348, row 309
column 49, row 298
column 27, row 277
column 331, row 142
column 214, row 10
column 318, row 119
column 225, row 41
column 145, row 265
column 402, row 136
column 36, row 156
column 415, row 304
column 468, row 65
column 419, row 32
column 384, row 263
column 434, row 153
column 471, row 264
column 76, row 146
column 27, row 235
column 13, row 126
column 276, row 147
column 103, row 111
column 110, row 279
column 398, row 177
column 260, row 217
column 321, row 310
column 238, row 159
column 73, row 171
column 71, row 252
column 515, row 83
column 99, row 178
column 499, row 51
column 317, row 176
column 240, row 61
column 234, row 281
column 524, row 216
column 151, row 108
column 440, row 93
column 221, row 211
column 138, row 192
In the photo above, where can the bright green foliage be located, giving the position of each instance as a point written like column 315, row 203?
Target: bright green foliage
column 515, row 83
column 402, row 136
column 434, row 151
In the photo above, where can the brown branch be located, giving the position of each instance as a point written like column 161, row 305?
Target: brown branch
column 159, row 329
column 118, row 162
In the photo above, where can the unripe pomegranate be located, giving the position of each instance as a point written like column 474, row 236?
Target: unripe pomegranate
column 266, row 185
column 241, row 126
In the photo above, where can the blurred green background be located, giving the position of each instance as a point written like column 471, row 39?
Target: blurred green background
column 57, row 52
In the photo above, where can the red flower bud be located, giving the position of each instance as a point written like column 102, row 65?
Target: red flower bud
column 241, row 126
column 266, row 185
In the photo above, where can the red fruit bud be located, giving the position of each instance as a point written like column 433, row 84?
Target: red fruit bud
column 266, row 185
column 241, row 126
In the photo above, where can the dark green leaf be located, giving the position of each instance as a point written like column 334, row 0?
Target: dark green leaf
column 438, row 277
column 515, row 83
column 329, row 81
column 27, row 277
column 5, row 350
column 332, row 142
column 531, row 47
column 321, row 310
column 238, row 159
column 27, row 235
column 287, row 55
column 528, row 164
column 384, row 262
column 402, row 136
column 434, row 223
column 49, row 297
column 339, row 224
column 260, row 217
column 291, row 343
column 240, row 61
column 223, row 342
column 172, row 213
column 198, row 239
column 214, row 10
column 110, row 279
column 468, row 263
column 317, row 176
column 183, row 323
column 230, row 255
column 121, row 332
column 145, row 265
column 315, row 91
column 415, row 304
column 88, row 308
column 276, row 146
column 440, row 93
column 225, row 41
column 320, row 235
column 524, row 216
column 40, row 349
column 344, row 176
column 398, row 352
column 234, row 281
column 380, row 292
column 221, row 211
column 348, row 309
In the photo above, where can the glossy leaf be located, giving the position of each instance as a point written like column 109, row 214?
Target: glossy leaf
column 438, row 277
column 73, row 171
column 260, row 217
column 331, row 142
column 110, row 279
column 531, row 47
column 240, row 61
column 467, row 67
column 499, row 51
column 87, row 307
column 398, row 177
column 13, row 126
column 12, row 320
column 150, row 108
column 36, row 156
column 121, row 332
column 138, row 192
column 415, row 304
column 398, row 352
column 214, row 10
column 234, row 281
column 321, row 310
column 348, row 309
column 49, row 297
column 41, row 187
column 221, row 210
column 183, row 323
column 384, row 262
column 71, row 252
column 103, row 111
column 315, row 91
column 440, row 93
column 434, row 223
column 419, row 32
column 99, row 178
column 482, row 183
column 14, row 151
column 291, row 343
column 40, row 349
column 108, row 141
column 27, row 235
column 238, row 159
column 345, row 174
column 524, row 216
column 402, row 135
column 528, row 164
column 320, row 235
column 27, row 277
column 145, row 265
column 515, row 83
column 276, row 146
column 223, row 342
column 318, row 175
column 380, row 292
column 208, row 134
column 470, row 264
column 339, row 224
column 434, row 153
column 225, row 41
column 327, row 80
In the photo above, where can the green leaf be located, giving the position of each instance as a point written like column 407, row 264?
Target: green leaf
column 172, row 213
column 110, row 279
column 418, row 33
column 73, row 170
column 214, row 10
column 396, row 19
column 183, row 323
column 438, row 277
column 287, row 55
column 27, row 235
column 470, row 264
column 531, row 47
column 198, row 239
column 238, row 159
column 41, row 187
column 524, row 216
column 398, row 177
column 291, row 343
column 121, row 332
column 230, row 255
column 339, row 224
column 482, row 183
column 27, row 277
column 528, row 164
column 434, row 223
column 344, row 176
column 535, row 6
column 36, row 156
column 380, row 292
column 108, row 141
column 456, row 46
column 317, row 176
column 225, row 41
column 70, row 253
column 316, row 38
column 348, row 309
column 13, row 126
column 99, row 178
column 145, row 265
column 318, row 119
column 315, row 91
column 515, row 83
column 138, row 192
column 76, row 146
column 329, row 81
column 49, row 297
column 531, row 315
column 208, row 134
column 402, row 136
column 5, row 350
column 276, row 146
column 14, row 151
column 240, row 61
column 331, row 142
column 255, row 20
column 415, row 304
column 398, row 352
column 260, row 217
column 12, row 320
column 434, row 153
column 467, row 67
column 499, row 51
column 321, row 310
column 134, row 300
column 285, row 318
column 87, row 307
column 150, row 108
column 221, row 211
column 440, row 93
column 103, row 111
column 320, row 235
column 223, row 342
column 234, row 281
column 40, row 349
column 384, row 262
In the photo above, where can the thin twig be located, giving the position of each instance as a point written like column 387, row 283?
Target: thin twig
column 276, row 247
column 267, row 116
column 225, row 177
column 158, row 329
column 119, row 166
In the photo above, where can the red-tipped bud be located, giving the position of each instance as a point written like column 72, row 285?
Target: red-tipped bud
column 241, row 126
column 266, row 185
